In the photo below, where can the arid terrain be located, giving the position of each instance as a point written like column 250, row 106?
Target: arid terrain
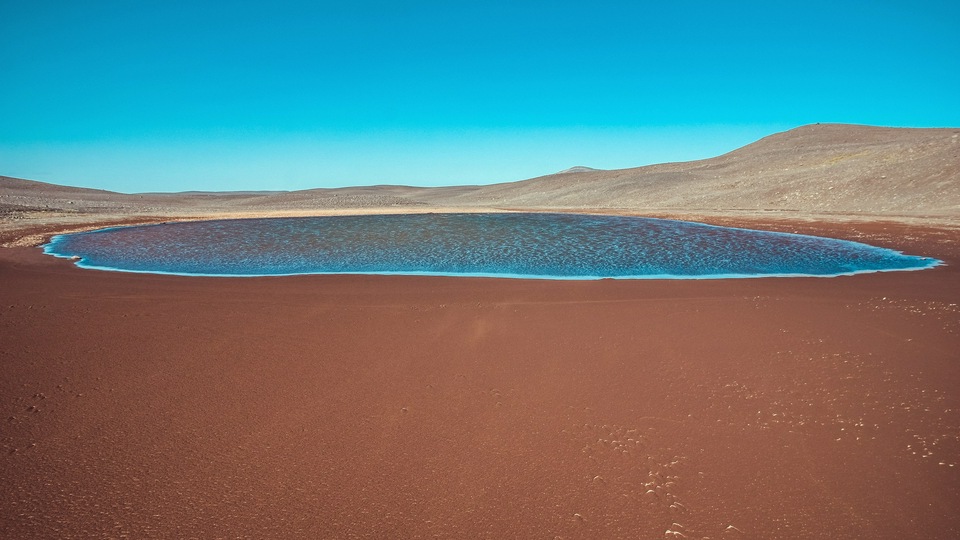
column 151, row 406
column 819, row 171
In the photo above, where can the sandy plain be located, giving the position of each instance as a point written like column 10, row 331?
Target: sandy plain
column 151, row 406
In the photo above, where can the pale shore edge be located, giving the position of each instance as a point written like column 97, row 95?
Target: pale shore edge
column 32, row 232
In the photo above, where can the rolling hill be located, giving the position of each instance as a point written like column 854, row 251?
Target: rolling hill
column 814, row 170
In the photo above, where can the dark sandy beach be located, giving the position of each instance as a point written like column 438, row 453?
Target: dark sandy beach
column 149, row 406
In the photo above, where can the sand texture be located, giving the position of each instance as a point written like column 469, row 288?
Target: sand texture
column 406, row 407
column 151, row 406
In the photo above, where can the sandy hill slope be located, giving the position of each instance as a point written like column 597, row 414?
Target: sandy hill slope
column 822, row 169
column 813, row 169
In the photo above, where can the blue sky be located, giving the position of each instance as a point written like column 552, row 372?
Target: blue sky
column 169, row 95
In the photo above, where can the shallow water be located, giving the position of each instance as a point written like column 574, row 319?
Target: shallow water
column 557, row 246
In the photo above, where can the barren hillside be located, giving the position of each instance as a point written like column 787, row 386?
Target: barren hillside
column 813, row 169
column 826, row 169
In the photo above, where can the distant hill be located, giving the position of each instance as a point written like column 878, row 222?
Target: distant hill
column 817, row 169
column 812, row 169
column 578, row 168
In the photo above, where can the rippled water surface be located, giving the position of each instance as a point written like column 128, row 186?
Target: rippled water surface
column 561, row 246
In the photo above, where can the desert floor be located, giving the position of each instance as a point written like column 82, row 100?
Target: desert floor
column 392, row 407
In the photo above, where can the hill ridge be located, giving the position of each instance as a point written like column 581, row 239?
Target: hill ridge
column 816, row 169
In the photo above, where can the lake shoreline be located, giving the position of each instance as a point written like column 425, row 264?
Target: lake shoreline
column 552, row 246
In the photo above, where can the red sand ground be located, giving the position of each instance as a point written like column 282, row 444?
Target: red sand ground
column 392, row 407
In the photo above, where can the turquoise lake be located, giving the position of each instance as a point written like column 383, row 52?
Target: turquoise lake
column 515, row 245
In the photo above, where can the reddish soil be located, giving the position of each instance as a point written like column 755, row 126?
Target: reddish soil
column 156, row 406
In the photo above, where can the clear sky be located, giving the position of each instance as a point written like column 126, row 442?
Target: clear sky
column 177, row 95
